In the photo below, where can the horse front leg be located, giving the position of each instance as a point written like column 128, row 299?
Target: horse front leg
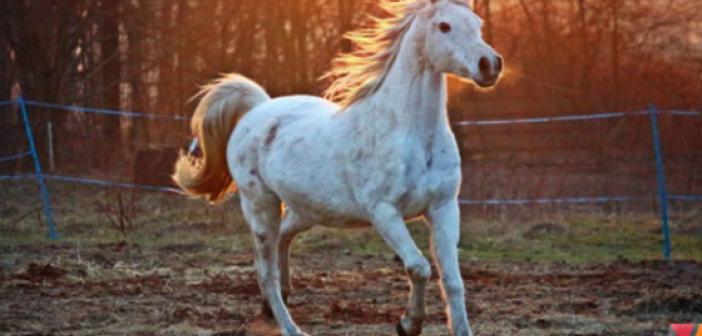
column 389, row 223
column 445, row 223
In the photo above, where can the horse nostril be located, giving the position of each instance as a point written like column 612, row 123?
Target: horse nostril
column 484, row 66
column 499, row 64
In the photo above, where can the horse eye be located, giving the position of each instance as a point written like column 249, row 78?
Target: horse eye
column 444, row 27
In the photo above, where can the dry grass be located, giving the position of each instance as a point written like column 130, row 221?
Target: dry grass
column 184, row 268
column 524, row 234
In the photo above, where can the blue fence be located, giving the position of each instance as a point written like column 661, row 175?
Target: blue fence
column 663, row 197
column 15, row 157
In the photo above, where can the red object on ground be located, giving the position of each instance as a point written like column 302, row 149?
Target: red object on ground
column 685, row 330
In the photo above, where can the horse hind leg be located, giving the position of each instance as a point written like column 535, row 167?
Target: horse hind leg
column 291, row 226
column 262, row 212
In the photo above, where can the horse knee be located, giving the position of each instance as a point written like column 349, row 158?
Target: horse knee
column 266, row 244
column 419, row 270
column 453, row 287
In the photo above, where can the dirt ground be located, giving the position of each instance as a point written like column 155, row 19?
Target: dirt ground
column 184, row 268
column 193, row 289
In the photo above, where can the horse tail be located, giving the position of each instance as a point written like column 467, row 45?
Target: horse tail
column 223, row 103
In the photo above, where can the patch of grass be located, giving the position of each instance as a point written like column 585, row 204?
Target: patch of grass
column 159, row 219
column 576, row 239
column 164, row 220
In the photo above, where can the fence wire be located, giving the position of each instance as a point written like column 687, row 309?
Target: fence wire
column 481, row 172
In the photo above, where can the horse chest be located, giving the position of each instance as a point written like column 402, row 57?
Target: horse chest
column 410, row 179
column 434, row 173
column 421, row 189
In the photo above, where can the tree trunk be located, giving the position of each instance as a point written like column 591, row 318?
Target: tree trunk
column 111, row 75
column 615, row 54
column 166, row 73
column 135, row 59
column 298, row 20
column 489, row 37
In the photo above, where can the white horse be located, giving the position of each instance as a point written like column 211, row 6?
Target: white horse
column 384, row 154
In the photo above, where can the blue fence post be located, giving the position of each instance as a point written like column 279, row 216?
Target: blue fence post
column 660, row 177
column 44, row 191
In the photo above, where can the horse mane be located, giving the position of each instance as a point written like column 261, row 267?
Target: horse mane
column 359, row 73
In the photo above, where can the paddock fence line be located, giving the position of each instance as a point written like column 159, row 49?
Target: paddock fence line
column 15, row 157
column 663, row 197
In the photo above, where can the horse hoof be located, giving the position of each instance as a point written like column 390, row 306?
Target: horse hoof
column 409, row 327
column 299, row 334
column 400, row 329
column 465, row 333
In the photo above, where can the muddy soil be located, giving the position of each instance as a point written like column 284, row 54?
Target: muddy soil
column 125, row 289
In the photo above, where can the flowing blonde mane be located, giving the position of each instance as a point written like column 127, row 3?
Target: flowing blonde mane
column 358, row 74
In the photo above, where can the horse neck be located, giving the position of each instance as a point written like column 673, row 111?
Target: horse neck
column 412, row 97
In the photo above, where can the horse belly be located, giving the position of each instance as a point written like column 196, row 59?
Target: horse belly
column 324, row 201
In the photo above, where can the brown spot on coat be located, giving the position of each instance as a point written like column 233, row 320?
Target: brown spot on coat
column 272, row 134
